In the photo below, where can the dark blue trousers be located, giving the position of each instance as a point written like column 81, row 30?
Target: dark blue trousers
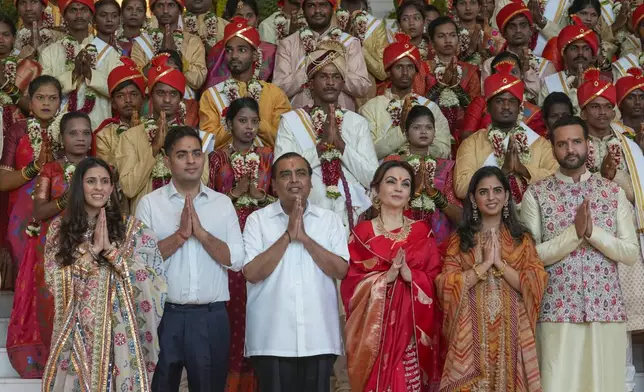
column 196, row 337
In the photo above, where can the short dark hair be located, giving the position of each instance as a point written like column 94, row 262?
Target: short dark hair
column 239, row 104
column 431, row 8
column 436, row 23
column 567, row 121
column 44, row 80
column 231, row 7
column 289, row 155
column 505, row 55
column 124, row 3
column 125, row 84
column 417, row 112
column 554, row 98
column 407, row 4
column 175, row 56
column 177, row 133
column 102, row 3
column 578, row 5
column 69, row 116
column 4, row 18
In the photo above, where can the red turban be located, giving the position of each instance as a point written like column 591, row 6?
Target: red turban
column 503, row 81
column 511, row 10
column 238, row 27
column 574, row 32
column 638, row 17
column 628, row 83
column 125, row 72
column 89, row 3
column 160, row 71
column 399, row 49
column 593, row 87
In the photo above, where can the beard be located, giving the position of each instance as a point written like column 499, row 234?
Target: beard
column 572, row 165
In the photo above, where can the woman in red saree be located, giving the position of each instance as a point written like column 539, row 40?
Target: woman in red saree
column 490, row 290
column 28, row 146
column 30, row 327
column 393, row 323
column 243, row 172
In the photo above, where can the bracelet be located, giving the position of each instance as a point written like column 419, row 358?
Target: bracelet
column 110, row 254
column 500, row 272
column 92, row 253
column 478, row 275
column 35, row 166
column 24, row 175
column 289, row 236
column 232, row 195
column 60, row 204
column 439, row 199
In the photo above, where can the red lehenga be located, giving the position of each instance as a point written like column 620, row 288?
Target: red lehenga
column 393, row 330
column 32, row 316
column 222, row 179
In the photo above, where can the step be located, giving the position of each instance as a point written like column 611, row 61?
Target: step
column 19, row 385
column 4, row 324
column 6, row 303
column 6, row 370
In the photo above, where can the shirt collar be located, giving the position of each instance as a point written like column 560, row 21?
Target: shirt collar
column 276, row 209
column 173, row 192
column 562, row 177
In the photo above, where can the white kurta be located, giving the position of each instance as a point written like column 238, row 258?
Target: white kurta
column 53, row 62
column 359, row 161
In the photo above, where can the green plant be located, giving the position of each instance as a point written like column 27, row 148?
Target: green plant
column 7, row 7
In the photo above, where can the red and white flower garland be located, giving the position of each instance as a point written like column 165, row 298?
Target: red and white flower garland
column 23, row 37
column 614, row 147
column 212, row 28
column 245, row 165
column 156, row 35
column 9, row 68
column 160, row 173
column 330, row 156
column 70, row 46
column 231, row 92
column 518, row 184
column 422, row 201
column 360, row 24
column 394, row 108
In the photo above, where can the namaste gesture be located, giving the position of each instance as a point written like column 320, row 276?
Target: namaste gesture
column 159, row 136
column 512, row 163
column 399, row 267
column 168, row 40
column 31, row 50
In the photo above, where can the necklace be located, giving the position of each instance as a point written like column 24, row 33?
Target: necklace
column 397, row 237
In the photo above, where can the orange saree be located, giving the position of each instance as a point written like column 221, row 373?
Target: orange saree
column 393, row 330
column 490, row 329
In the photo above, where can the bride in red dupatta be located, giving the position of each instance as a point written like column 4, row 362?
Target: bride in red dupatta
column 393, row 323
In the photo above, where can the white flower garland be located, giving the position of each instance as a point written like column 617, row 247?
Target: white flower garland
column 160, row 170
column 422, row 201
column 211, row 22
column 496, row 138
column 281, row 26
column 24, row 36
column 308, row 40
column 245, row 165
column 10, row 66
column 318, row 119
column 157, row 39
column 614, row 147
column 394, row 108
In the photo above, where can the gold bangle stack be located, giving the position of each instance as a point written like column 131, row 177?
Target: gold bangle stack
column 478, row 274
column 500, row 272
column 12, row 91
column 30, row 171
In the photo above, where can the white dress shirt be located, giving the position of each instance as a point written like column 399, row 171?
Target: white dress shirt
column 193, row 276
column 294, row 311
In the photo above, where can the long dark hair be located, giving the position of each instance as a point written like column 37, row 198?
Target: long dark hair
column 469, row 227
column 74, row 223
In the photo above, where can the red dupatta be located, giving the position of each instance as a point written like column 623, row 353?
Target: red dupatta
column 383, row 319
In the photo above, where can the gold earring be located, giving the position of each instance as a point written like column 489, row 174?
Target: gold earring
column 375, row 200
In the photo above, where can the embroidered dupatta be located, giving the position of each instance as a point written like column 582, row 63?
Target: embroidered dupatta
column 383, row 319
column 491, row 340
column 105, row 326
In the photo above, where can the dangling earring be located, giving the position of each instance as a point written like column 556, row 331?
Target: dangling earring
column 506, row 211
column 475, row 213
column 109, row 201
column 375, row 200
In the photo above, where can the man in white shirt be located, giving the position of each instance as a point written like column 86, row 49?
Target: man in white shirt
column 200, row 240
column 294, row 253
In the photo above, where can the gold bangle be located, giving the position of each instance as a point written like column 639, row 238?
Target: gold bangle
column 501, row 272
column 24, row 175
column 478, row 275
column 35, row 163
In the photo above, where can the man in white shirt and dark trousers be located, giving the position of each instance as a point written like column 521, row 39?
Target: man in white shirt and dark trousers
column 200, row 240
column 294, row 253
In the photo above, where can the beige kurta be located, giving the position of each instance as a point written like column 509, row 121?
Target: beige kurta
column 267, row 29
column 135, row 161
column 193, row 55
column 532, row 78
column 359, row 161
column 388, row 138
column 272, row 104
column 559, row 82
column 53, row 61
column 290, row 71
column 106, row 142
column 475, row 150
column 585, row 357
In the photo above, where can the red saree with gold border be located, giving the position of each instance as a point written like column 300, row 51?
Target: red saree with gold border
column 490, row 328
column 393, row 330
